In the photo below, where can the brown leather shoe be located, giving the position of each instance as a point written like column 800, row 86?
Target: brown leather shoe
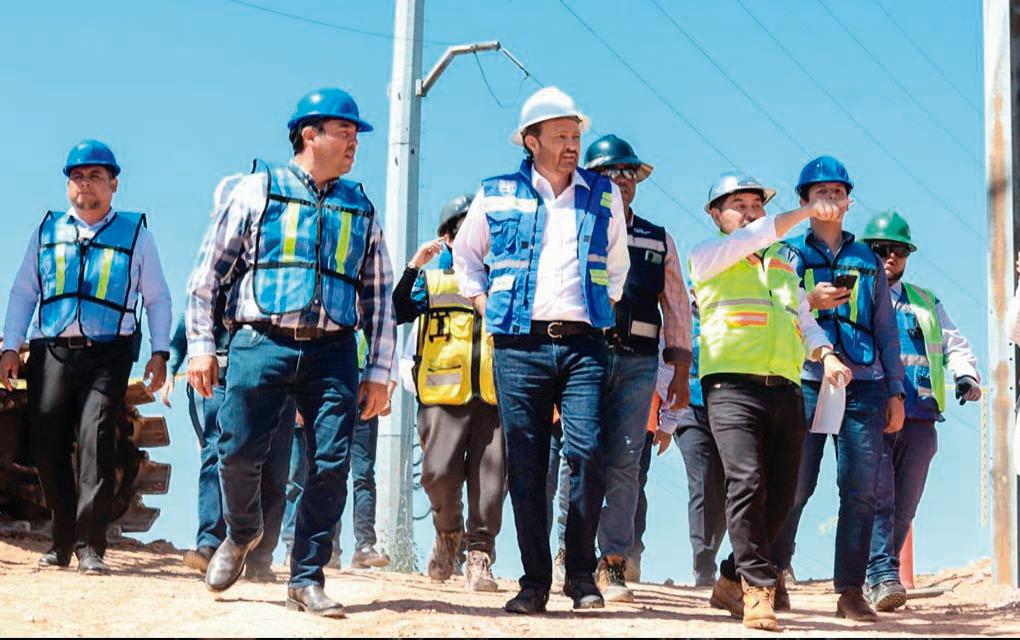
column 853, row 606
column 314, row 600
column 444, row 552
column 758, row 607
column 782, row 601
column 729, row 595
column 228, row 563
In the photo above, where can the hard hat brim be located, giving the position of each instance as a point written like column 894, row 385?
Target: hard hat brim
column 517, row 137
column 767, row 193
column 111, row 165
column 363, row 127
column 643, row 168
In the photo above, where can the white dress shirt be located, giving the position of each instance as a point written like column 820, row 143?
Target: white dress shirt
column 146, row 279
column 558, row 289
column 960, row 357
column 713, row 256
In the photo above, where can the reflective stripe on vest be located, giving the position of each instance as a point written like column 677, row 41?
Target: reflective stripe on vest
column 308, row 251
column 923, row 307
column 87, row 280
column 516, row 217
column 454, row 359
column 749, row 323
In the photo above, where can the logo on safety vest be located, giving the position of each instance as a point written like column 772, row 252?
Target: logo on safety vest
column 507, row 187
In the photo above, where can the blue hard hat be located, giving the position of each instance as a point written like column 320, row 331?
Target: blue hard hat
column 612, row 150
column 90, row 152
column 328, row 103
column 823, row 169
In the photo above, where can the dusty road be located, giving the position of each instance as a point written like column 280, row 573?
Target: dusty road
column 151, row 594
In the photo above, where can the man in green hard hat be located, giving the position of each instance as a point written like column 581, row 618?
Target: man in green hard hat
column 929, row 341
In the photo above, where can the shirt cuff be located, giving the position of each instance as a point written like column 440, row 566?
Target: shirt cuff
column 895, row 388
column 376, row 373
column 200, row 347
column 678, row 355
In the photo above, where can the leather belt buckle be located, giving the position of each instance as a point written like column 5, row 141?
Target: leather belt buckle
column 77, row 342
column 304, row 334
column 549, row 330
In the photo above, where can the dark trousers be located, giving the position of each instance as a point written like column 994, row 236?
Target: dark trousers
column 212, row 529
column 464, row 445
column 533, row 374
column 759, row 431
column 77, row 394
column 641, row 513
column 706, row 488
column 321, row 376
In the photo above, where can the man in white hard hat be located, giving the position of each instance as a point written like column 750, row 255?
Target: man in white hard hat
column 555, row 238
column 756, row 331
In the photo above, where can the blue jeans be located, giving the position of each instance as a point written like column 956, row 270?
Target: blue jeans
column 211, row 528
column 858, row 453
column 557, row 488
column 363, row 447
column 628, row 393
column 322, row 378
column 905, row 460
column 533, row 373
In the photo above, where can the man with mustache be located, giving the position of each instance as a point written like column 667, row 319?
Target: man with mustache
column 756, row 330
column 929, row 342
column 311, row 267
column 849, row 293
column 86, row 269
column 555, row 239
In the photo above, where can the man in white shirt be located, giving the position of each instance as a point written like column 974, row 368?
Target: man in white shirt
column 929, row 341
column 554, row 237
column 86, row 269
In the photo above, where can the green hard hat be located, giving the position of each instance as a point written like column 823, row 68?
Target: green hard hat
column 611, row 150
column 888, row 226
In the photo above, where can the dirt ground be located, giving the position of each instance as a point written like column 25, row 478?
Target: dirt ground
column 151, row 594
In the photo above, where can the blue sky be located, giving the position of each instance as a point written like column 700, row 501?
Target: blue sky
column 188, row 91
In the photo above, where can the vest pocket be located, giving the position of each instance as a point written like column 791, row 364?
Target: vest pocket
column 503, row 232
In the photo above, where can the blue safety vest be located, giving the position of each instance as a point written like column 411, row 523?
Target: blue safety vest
column 309, row 251
column 849, row 326
column 917, row 354
column 697, row 398
column 88, row 280
column 517, row 217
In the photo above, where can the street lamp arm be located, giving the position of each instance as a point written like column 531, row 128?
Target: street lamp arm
column 451, row 53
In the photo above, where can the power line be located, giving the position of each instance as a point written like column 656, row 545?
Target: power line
column 331, row 25
column 857, row 123
column 899, row 84
column 493, row 93
column 736, row 84
column 931, row 62
column 648, row 86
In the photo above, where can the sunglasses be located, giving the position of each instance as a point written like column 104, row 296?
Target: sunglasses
column 885, row 250
column 614, row 173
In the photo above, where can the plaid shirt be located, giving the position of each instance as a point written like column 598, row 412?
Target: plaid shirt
column 228, row 254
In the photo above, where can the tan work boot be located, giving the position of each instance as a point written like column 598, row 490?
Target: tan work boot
column 729, row 595
column 758, row 611
column 478, row 571
column 782, row 600
column 444, row 551
column 610, row 581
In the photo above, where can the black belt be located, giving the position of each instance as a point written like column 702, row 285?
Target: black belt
column 768, row 381
column 557, row 329
column 81, row 342
column 299, row 334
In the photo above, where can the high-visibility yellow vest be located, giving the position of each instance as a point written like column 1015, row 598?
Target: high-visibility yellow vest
column 454, row 359
column 931, row 364
column 749, row 319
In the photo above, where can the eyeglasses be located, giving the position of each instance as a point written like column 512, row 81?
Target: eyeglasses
column 885, row 250
column 613, row 173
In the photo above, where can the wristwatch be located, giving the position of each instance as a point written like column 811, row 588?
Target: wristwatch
column 830, row 353
column 410, row 265
column 163, row 354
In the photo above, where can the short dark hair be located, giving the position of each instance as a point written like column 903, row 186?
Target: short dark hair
column 717, row 203
column 296, row 141
column 530, row 130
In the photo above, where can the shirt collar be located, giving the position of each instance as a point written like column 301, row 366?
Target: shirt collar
column 848, row 238
column 309, row 182
column 538, row 179
column 897, row 288
column 79, row 220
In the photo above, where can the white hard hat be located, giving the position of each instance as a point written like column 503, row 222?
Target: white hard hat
column 545, row 104
column 731, row 182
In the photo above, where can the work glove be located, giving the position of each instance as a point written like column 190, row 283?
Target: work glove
column 967, row 388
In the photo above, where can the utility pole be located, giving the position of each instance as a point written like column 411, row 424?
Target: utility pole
column 394, row 517
column 1002, row 146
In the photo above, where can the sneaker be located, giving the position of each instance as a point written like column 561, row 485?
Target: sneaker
column 729, row 596
column 198, row 559
column 853, row 606
column 887, row 596
column 479, row 572
column 528, row 602
column 609, row 576
column 758, row 607
column 584, row 593
column 632, row 572
column 444, row 551
column 782, row 599
column 367, row 558
column 560, row 567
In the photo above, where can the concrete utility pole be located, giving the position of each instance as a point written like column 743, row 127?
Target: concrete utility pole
column 1002, row 119
column 394, row 517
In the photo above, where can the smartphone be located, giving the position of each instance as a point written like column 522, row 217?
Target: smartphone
column 845, row 280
